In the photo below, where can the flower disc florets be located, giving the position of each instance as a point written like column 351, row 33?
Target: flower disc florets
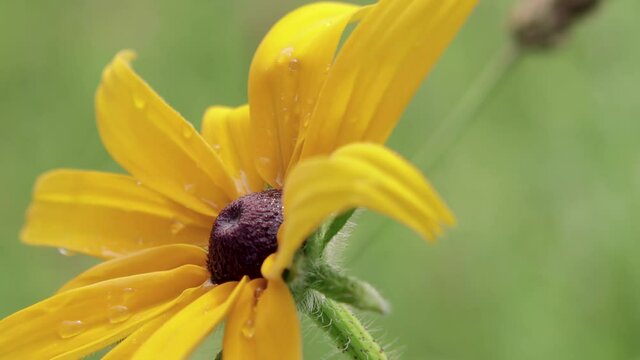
column 244, row 234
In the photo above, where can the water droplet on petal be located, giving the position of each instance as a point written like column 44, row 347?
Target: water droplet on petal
column 138, row 183
column 249, row 329
column 66, row 252
column 187, row 132
column 176, row 227
column 287, row 52
column 294, row 65
column 258, row 292
column 138, row 102
column 190, row 188
column 128, row 290
column 118, row 314
column 70, row 328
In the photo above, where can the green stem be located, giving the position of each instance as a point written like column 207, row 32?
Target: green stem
column 455, row 125
column 466, row 111
column 317, row 243
column 346, row 331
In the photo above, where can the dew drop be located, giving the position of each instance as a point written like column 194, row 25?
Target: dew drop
column 287, row 52
column 249, row 329
column 294, row 65
column 66, row 252
column 118, row 314
column 70, row 328
column 128, row 290
column 189, row 188
column 187, row 132
column 258, row 292
column 138, row 102
column 138, row 183
column 176, row 227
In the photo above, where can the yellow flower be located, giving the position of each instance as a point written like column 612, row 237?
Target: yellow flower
column 310, row 130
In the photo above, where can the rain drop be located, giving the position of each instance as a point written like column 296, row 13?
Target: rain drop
column 208, row 284
column 287, row 52
column 118, row 314
column 190, row 188
column 176, row 227
column 258, row 292
column 139, row 102
column 187, row 132
column 66, row 252
column 249, row 329
column 128, row 290
column 294, row 65
column 70, row 328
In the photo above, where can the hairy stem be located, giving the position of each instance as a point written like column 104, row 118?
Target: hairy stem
column 346, row 331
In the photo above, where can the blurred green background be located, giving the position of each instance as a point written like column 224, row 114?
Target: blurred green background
column 544, row 263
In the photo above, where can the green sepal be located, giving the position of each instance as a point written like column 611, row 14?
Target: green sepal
column 345, row 289
column 318, row 241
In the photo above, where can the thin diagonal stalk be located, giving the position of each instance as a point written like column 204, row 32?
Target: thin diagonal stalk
column 466, row 112
column 458, row 122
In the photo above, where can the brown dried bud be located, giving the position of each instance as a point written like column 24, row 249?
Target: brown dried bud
column 542, row 23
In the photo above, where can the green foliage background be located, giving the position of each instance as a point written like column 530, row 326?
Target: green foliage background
column 546, row 183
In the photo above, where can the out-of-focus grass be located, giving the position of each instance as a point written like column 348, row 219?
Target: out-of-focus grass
column 543, row 263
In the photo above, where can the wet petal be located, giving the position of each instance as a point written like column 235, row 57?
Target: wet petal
column 127, row 347
column 240, row 341
column 160, row 258
column 155, row 144
column 107, row 215
column 357, row 175
column 378, row 70
column 277, row 325
column 78, row 322
column 285, row 78
column 227, row 131
column 182, row 333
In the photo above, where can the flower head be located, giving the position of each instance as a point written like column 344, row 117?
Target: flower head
column 185, row 235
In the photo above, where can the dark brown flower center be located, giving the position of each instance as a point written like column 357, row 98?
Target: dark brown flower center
column 243, row 235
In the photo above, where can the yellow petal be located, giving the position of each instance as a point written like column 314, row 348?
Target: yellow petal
column 357, row 175
column 107, row 215
column 285, row 78
column 159, row 258
column 128, row 347
column 239, row 340
column 378, row 70
column 182, row 333
column 78, row 322
column 227, row 131
column 277, row 326
column 155, row 144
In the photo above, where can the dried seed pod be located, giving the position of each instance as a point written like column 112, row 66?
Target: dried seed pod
column 542, row 23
